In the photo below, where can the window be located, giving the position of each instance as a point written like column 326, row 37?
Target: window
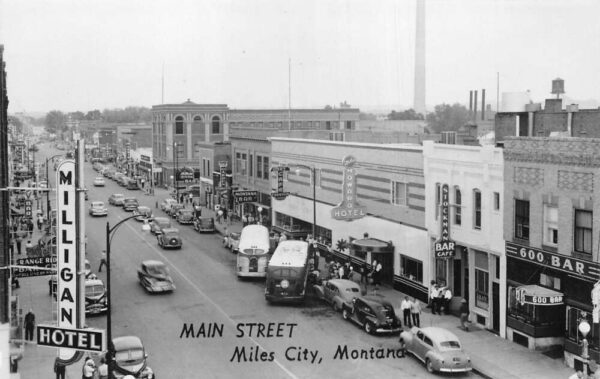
column 250, row 165
column 457, row 206
column 411, row 268
column 398, row 193
column 259, row 167
column 179, row 125
column 496, row 201
column 318, row 173
column 197, row 125
column 317, row 124
column 550, row 225
column 481, row 289
column 574, row 317
column 476, row 209
column 328, row 125
column 348, row 124
column 265, row 167
column 550, row 281
column 522, row 219
column 583, row 231
column 216, row 125
column 240, row 163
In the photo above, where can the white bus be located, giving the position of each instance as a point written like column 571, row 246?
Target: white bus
column 253, row 251
column 288, row 272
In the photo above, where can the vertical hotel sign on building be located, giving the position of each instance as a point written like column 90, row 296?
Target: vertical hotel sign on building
column 66, row 249
column 444, row 247
column 348, row 209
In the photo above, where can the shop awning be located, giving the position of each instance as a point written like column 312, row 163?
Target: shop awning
column 538, row 295
column 373, row 245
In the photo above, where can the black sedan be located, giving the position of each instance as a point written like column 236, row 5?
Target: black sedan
column 185, row 216
column 154, row 277
column 158, row 224
column 169, row 238
column 373, row 314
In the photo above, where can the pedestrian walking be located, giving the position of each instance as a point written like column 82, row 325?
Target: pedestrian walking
column 250, row 219
column 29, row 325
column 405, row 306
column 30, row 227
column 181, row 198
column 377, row 273
column 28, row 247
column 59, row 369
column 88, row 369
column 40, row 222
column 415, row 311
column 190, row 197
column 464, row 314
column 19, row 241
column 103, row 369
column 103, row 261
column 244, row 219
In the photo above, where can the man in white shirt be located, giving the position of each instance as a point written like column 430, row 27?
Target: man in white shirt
column 405, row 308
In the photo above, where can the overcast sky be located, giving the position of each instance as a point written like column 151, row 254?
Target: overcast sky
column 85, row 54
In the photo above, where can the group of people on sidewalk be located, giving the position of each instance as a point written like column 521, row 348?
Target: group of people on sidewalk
column 439, row 301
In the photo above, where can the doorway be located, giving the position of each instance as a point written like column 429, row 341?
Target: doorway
column 496, row 307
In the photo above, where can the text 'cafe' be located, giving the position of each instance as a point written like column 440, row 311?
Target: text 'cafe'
column 549, row 295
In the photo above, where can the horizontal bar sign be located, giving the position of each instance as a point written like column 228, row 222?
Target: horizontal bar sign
column 93, row 340
column 246, row 196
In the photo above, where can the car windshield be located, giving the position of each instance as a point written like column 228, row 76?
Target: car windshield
column 95, row 290
column 98, row 204
column 352, row 289
column 118, row 196
column 157, row 270
column 186, row 213
column 131, row 201
column 131, row 356
column 450, row 345
column 164, row 224
column 171, row 234
column 235, row 236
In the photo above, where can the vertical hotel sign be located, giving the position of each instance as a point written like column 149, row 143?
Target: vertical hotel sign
column 444, row 247
column 348, row 209
column 66, row 248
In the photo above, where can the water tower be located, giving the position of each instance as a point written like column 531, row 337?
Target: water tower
column 558, row 87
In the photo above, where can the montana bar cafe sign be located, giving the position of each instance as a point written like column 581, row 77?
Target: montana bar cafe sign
column 444, row 247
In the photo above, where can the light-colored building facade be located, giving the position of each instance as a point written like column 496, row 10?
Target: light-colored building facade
column 474, row 178
column 390, row 195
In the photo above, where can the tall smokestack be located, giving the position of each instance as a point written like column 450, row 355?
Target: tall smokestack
column 419, row 100
column 470, row 101
column 483, row 104
column 475, row 107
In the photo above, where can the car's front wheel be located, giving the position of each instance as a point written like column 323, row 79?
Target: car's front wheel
column 429, row 365
column 369, row 327
column 345, row 314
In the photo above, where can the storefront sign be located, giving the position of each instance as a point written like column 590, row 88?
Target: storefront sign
column 28, row 208
column 66, row 248
column 185, row 175
column 584, row 269
column 246, row 196
column 223, row 174
column 348, row 209
column 445, row 247
column 144, row 158
column 523, row 297
column 37, row 263
column 93, row 340
column 280, row 194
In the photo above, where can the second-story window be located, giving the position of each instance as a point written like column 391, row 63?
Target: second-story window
column 216, row 125
column 457, row 206
column 522, row 219
column 398, row 193
column 550, row 225
column 476, row 209
column 583, row 231
column 179, row 125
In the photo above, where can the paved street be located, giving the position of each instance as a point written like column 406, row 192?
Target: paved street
column 208, row 293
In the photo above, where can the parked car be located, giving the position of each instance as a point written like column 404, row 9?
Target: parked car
column 130, row 358
column 204, row 224
column 143, row 213
column 95, row 297
column 338, row 292
column 132, row 184
column 130, row 203
column 232, row 241
column 116, row 199
column 122, row 180
column 88, row 270
column 185, row 216
column 169, row 238
column 97, row 208
column 165, row 205
column 158, row 224
column 438, row 348
column 172, row 211
column 99, row 181
column 373, row 313
column 154, row 277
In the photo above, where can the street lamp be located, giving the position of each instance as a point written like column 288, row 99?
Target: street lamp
column 109, row 231
column 259, row 209
column 48, row 186
column 176, row 153
column 584, row 329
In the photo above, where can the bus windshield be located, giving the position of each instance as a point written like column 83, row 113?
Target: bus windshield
column 253, row 251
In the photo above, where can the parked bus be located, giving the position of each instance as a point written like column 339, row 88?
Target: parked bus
column 253, row 251
column 288, row 272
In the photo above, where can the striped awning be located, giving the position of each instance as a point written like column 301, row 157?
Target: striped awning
column 538, row 295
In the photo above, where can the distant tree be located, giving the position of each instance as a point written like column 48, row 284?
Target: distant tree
column 94, row 115
column 447, row 117
column 77, row 116
column 367, row 116
column 408, row 114
column 345, row 105
column 328, row 107
column 55, row 122
column 127, row 115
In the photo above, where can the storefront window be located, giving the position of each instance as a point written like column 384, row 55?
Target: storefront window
column 537, row 315
column 411, row 268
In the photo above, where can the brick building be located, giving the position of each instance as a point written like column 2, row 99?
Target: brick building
column 551, row 228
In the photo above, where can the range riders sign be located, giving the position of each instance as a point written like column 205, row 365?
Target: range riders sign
column 348, row 209
column 444, row 247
